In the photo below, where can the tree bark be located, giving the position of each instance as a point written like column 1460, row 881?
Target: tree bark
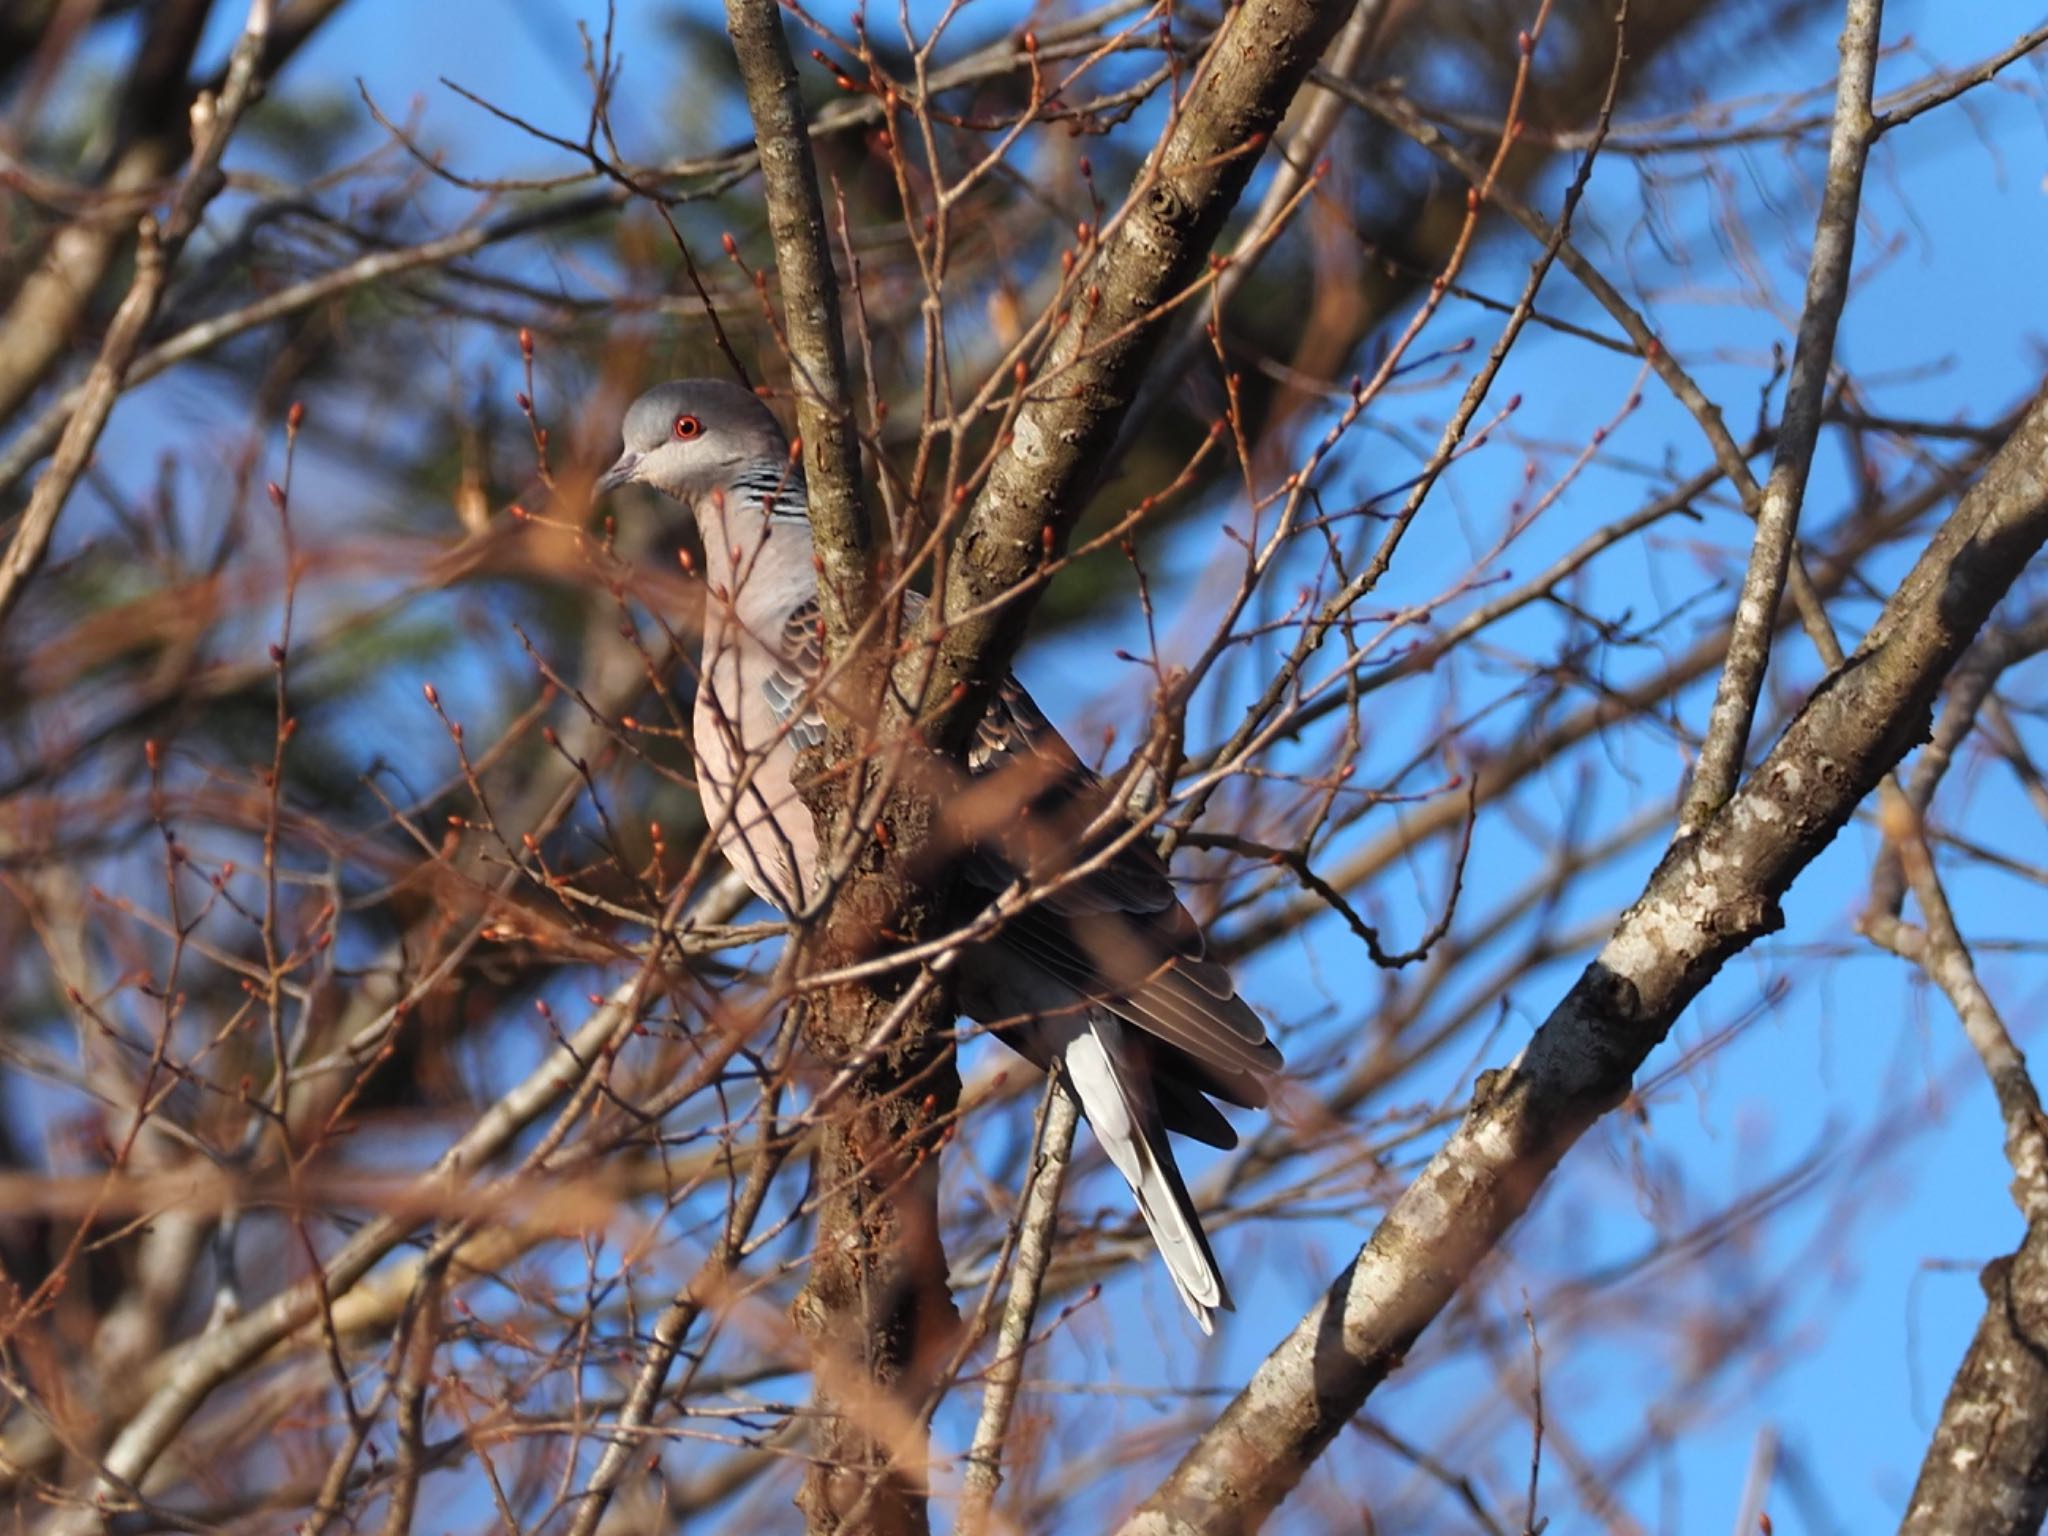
column 1986, row 1470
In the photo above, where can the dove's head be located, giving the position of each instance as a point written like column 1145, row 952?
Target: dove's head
column 693, row 439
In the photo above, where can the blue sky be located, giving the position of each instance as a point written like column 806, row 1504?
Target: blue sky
column 1853, row 1061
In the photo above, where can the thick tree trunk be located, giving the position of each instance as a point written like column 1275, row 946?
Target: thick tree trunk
column 876, row 1309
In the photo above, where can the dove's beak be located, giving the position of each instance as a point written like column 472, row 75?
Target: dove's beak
column 621, row 473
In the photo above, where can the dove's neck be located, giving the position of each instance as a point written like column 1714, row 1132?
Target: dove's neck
column 757, row 568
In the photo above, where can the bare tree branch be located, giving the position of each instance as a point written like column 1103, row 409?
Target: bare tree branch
column 1069, row 412
column 1303, row 146
column 1709, row 899
column 674, row 1326
column 206, row 1362
column 156, row 251
column 1986, row 1467
column 810, row 300
column 53, row 297
column 1986, row 1470
column 1777, row 512
column 1392, row 109
column 1939, row 949
column 1035, row 1223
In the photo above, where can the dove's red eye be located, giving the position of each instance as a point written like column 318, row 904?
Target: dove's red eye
column 688, row 427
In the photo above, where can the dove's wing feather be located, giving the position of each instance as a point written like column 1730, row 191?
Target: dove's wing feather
column 1117, row 934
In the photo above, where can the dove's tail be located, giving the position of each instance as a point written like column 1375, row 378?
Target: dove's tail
column 1121, row 1112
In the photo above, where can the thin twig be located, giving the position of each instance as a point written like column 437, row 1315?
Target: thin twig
column 674, row 1327
column 1020, row 1310
column 1397, row 112
column 1530, row 1524
column 1938, row 948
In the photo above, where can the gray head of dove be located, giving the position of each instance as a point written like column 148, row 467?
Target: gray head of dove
column 693, row 438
